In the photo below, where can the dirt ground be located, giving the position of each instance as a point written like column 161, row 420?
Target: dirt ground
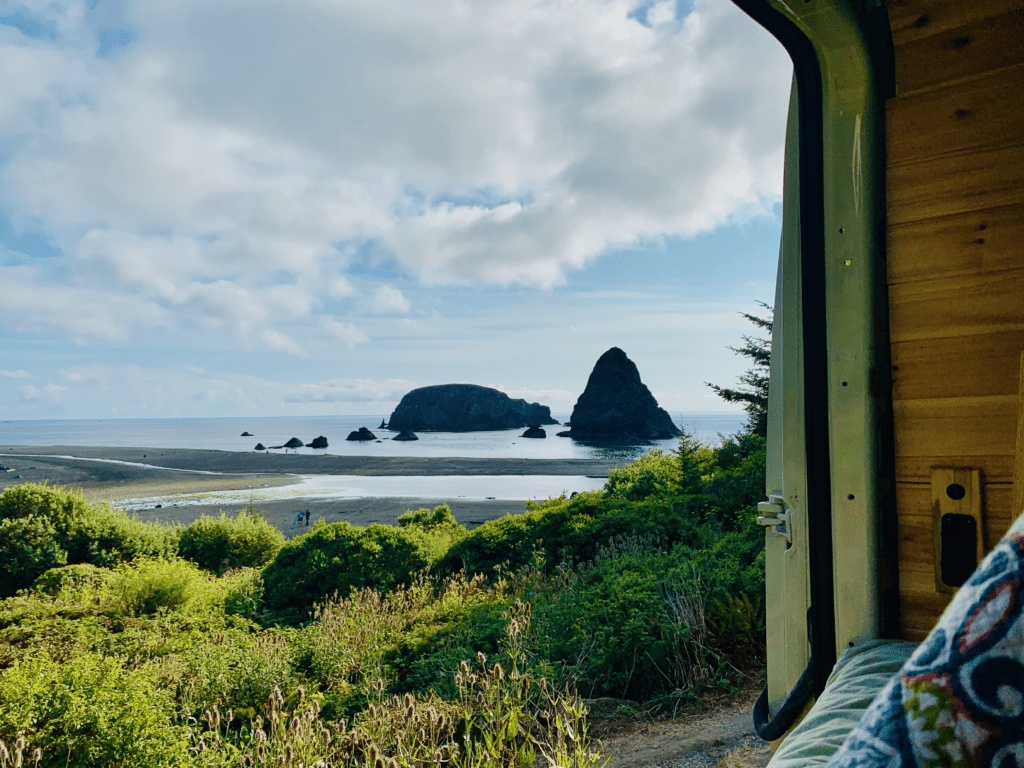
column 718, row 732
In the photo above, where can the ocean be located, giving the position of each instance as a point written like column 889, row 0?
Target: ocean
column 225, row 435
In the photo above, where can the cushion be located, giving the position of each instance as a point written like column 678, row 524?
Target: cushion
column 856, row 679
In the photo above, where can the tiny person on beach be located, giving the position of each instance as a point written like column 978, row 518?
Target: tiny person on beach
column 298, row 521
column 307, row 518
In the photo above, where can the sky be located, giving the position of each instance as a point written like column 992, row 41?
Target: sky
column 306, row 207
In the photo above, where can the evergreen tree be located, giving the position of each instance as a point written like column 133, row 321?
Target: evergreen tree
column 753, row 391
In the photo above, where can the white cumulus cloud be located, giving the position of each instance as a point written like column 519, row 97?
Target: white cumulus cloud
column 219, row 174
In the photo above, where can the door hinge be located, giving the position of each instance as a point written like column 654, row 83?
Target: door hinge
column 776, row 517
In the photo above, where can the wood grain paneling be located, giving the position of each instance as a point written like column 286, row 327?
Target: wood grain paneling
column 986, row 45
column 985, row 113
column 971, row 305
column 955, row 251
column 916, row 19
column 988, row 240
column 920, row 609
column 917, row 469
column 947, row 186
column 962, row 366
column 915, row 522
column 955, row 427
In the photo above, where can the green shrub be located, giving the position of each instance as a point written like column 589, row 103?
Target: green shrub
column 43, row 527
column 508, row 539
column 220, row 544
column 89, row 711
column 69, row 579
column 235, row 670
column 653, row 473
column 150, row 586
column 28, row 547
column 340, row 557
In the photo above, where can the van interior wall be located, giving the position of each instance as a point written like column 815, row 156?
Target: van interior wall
column 955, row 197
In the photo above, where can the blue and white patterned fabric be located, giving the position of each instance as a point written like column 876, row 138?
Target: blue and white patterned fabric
column 958, row 702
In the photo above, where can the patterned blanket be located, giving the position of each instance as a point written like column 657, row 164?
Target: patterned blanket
column 959, row 700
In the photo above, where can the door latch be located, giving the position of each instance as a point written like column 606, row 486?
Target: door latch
column 776, row 517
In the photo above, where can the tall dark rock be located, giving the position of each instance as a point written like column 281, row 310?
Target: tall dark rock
column 617, row 406
column 465, row 408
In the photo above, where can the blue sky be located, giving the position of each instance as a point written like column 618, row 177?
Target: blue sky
column 274, row 207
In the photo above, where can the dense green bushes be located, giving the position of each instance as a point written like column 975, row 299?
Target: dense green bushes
column 91, row 712
column 223, row 543
column 43, row 528
column 649, row 589
column 339, row 557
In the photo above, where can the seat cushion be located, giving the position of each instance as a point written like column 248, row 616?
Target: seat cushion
column 855, row 681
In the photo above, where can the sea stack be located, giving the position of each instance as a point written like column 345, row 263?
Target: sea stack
column 361, row 434
column 465, row 408
column 617, row 406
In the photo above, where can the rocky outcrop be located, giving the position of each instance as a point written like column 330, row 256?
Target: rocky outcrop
column 361, row 434
column 294, row 443
column 382, row 425
column 534, row 432
column 617, row 406
column 566, row 433
column 248, row 434
column 465, row 408
column 260, row 447
column 405, row 435
column 319, row 442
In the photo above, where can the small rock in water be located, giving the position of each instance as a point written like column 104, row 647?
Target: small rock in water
column 361, row 434
column 319, row 442
column 260, row 447
column 294, row 443
column 247, row 434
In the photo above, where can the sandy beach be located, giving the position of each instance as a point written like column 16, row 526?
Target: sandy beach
column 149, row 472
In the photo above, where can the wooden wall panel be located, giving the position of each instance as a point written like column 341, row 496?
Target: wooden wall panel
column 946, row 186
column 920, row 603
column 987, row 240
column 917, row 469
column 956, row 427
column 985, row 113
column 916, row 519
column 982, row 46
column 978, row 365
column 912, row 20
column 955, row 194
column 970, row 305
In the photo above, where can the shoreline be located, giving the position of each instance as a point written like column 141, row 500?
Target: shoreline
column 98, row 472
column 258, row 464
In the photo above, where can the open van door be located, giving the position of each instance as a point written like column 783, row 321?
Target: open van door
column 830, row 466
column 784, row 515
